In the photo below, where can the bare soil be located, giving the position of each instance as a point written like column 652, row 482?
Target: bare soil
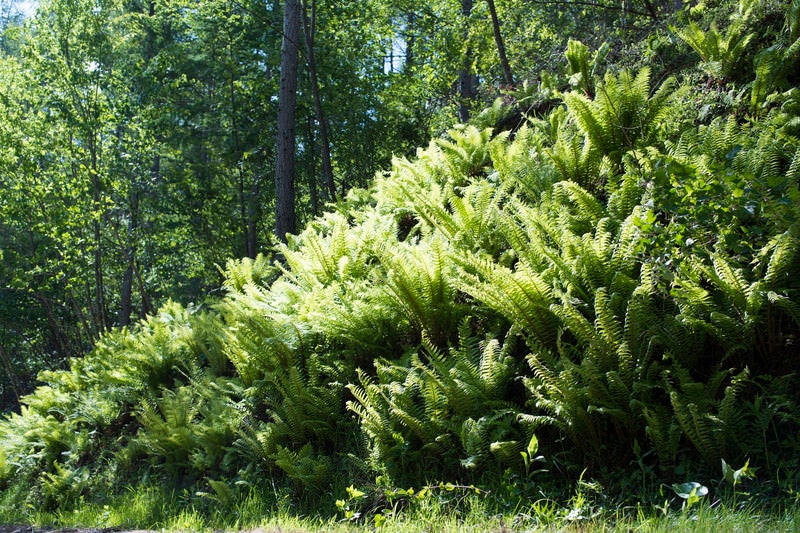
column 34, row 529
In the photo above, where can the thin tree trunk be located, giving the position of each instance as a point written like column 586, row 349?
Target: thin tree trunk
column 126, row 292
column 146, row 303
column 313, row 192
column 100, row 313
column 309, row 27
column 131, row 271
column 126, row 295
column 129, row 247
column 466, row 80
column 410, row 40
column 285, row 222
column 12, row 375
column 246, row 212
column 501, row 47
column 60, row 339
column 651, row 9
column 86, row 328
column 253, row 214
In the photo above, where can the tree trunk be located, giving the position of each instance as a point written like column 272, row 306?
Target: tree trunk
column 126, row 290
column 100, row 314
column 147, row 305
column 501, row 47
column 309, row 27
column 313, row 192
column 59, row 338
column 8, row 365
column 410, row 40
column 129, row 247
column 651, row 9
column 287, row 98
column 253, row 214
column 126, row 293
column 136, row 188
column 467, row 81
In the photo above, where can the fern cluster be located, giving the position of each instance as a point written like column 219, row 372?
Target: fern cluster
column 614, row 278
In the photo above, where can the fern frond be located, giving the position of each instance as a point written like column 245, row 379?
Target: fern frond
column 420, row 278
column 521, row 295
column 782, row 250
column 585, row 202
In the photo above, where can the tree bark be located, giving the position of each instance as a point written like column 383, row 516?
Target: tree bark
column 501, row 47
column 126, row 290
column 467, row 81
column 100, row 310
column 12, row 375
column 285, row 222
column 59, row 337
column 311, row 154
column 309, row 27
column 410, row 41
column 129, row 247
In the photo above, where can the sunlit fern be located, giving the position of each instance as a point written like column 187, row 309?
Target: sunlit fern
column 420, row 279
column 239, row 273
column 467, row 153
column 720, row 52
column 440, row 407
column 623, row 115
column 750, row 319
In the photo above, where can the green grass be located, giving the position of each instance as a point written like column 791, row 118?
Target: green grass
column 154, row 509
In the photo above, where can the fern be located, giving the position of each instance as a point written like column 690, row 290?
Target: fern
column 308, row 407
column 721, row 53
column 522, row 296
column 742, row 315
column 330, row 250
column 440, row 408
column 523, row 165
column 189, row 430
column 468, row 154
column 775, row 64
column 258, row 346
column 708, row 422
column 421, row 281
column 308, row 471
column 581, row 70
column 243, row 272
column 574, row 159
column 623, row 116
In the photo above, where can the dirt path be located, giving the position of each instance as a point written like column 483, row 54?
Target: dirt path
column 34, row 529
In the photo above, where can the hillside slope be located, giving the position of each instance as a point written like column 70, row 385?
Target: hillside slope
column 611, row 287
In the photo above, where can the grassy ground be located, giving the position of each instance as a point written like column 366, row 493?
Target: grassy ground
column 704, row 521
column 151, row 510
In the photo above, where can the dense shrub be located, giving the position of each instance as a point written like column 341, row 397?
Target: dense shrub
column 613, row 276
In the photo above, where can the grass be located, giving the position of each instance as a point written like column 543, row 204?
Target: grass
column 153, row 509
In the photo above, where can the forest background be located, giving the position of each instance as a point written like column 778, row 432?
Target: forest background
column 591, row 269
column 140, row 140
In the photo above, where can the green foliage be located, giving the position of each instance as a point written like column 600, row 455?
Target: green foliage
column 581, row 70
column 721, row 53
column 623, row 115
column 151, row 391
column 612, row 284
column 419, row 278
column 239, row 274
column 776, row 65
column 188, row 430
column 441, row 410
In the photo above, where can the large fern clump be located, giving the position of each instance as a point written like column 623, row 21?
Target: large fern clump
column 146, row 401
column 613, row 283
